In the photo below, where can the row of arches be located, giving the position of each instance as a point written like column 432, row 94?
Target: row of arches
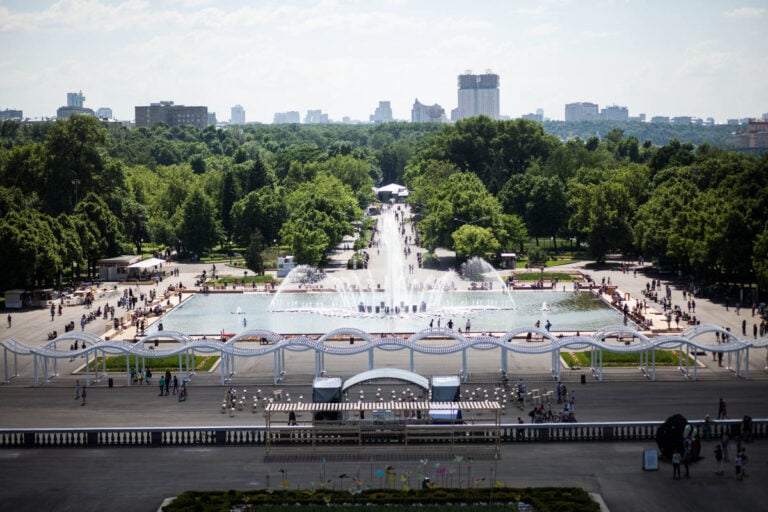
column 350, row 341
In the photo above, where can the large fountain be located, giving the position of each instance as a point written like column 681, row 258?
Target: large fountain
column 390, row 294
column 388, row 283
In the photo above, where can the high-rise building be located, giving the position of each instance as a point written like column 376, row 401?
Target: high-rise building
column 478, row 95
column 614, row 113
column 104, row 113
column 316, row 117
column 237, row 115
column 421, row 113
column 11, row 115
column 172, row 115
column 291, row 117
column 382, row 114
column 583, row 111
column 538, row 116
column 75, row 99
column 212, row 119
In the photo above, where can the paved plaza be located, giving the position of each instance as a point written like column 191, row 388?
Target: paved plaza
column 138, row 479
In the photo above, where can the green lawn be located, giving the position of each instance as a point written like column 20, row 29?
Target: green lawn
column 614, row 359
column 250, row 278
column 117, row 363
column 535, row 276
column 481, row 497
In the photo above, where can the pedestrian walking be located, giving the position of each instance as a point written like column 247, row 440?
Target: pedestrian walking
column 162, row 385
column 721, row 412
column 175, row 384
column 744, row 462
column 82, row 395
column 718, row 460
column 9, row 320
column 77, row 389
column 676, row 465
column 737, row 464
column 687, row 455
column 148, row 377
column 53, row 312
column 167, row 381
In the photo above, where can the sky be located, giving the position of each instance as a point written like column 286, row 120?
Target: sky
column 702, row 58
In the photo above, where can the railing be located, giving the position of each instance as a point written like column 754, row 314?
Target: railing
column 304, row 435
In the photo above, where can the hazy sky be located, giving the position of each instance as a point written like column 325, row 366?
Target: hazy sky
column 661, row 57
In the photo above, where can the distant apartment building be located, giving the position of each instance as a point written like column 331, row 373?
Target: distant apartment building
column 11, row 115
column 75, row 102
column 660, row 119
column 538, row 116
column 682, row 120
column 640, row 118
column 75, row 99
column 614, row 113
column 582, row 111
column 237, row 115
column 765, row 116
column 478, row 95
column 382, row 114
column 172, row 115
column 104, row 113
column 212, row 119
column 316, row 117
column 421, row 113
column 291, row 117
column 754, row 136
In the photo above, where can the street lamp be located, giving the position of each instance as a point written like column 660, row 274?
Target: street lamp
column 470, row 222
column 76, row 182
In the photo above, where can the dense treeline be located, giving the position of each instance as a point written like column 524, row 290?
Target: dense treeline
column 75, row 191
column 657, row 134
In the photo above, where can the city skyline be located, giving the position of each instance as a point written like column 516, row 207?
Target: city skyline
column 343, row 57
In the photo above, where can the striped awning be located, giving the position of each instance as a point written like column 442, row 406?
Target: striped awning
column 475, row 405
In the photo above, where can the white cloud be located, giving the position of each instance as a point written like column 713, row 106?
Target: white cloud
column 593, row 34
column 545, row 29
column 746, row 12
column 705, row 58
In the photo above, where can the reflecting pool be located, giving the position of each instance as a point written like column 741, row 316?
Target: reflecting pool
column 234, row 313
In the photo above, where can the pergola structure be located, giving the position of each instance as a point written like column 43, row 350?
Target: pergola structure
column 334, row 343
column 395, row 422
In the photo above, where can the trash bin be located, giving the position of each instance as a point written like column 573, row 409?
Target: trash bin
column 583, row 378
column 111, row 382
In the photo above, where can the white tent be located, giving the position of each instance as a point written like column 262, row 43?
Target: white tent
column 147, row 263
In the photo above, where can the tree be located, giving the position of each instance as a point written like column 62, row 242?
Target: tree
column 461, row 199
column 319, row 215
column 253, row 257
column 135, row 223
column 199, row 230
column 601, row 217
column 760, row 257
column 263, row 210
column 539, row 200
column 28, row 249
column 99, row 228
column 76, row 157
column 469, row 241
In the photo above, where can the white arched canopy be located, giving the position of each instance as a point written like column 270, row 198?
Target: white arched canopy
column 386, row 374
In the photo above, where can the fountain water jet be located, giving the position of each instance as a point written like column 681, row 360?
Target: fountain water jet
column 393, row 289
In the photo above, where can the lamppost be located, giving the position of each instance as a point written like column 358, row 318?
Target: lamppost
column 470, row 222
column 75, row 182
